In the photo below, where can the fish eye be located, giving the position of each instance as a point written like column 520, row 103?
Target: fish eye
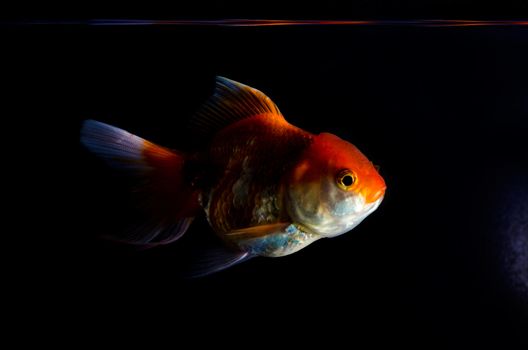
column 345, row 179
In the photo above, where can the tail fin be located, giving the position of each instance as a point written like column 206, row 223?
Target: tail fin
column 169, row 201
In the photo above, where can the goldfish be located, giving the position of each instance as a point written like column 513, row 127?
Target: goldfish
column 266, row 187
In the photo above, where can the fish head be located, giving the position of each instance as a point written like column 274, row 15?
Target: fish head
column 332, row 187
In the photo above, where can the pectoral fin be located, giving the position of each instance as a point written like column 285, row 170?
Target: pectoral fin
column 259, row 231
column 272, row 240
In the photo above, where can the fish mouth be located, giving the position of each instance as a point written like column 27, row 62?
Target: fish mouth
column 372, row 195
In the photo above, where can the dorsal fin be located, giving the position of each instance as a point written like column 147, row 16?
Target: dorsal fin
column 231, row 102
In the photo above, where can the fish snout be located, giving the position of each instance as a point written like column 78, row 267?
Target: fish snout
column 374, row 191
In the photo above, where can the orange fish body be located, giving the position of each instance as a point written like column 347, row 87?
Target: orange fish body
column 267, row 188
column 255, row 153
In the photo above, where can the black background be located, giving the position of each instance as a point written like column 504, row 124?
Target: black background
column 444, row 111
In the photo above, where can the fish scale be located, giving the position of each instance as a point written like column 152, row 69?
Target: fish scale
column 253, row 170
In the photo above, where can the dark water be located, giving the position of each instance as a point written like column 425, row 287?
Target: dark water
column 444, row 111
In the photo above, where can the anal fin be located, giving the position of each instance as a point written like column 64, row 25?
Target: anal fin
column 214, row 260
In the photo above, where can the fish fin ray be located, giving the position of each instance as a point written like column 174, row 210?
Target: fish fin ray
column 231, row 102
column 151, row 234
column 214, row 260
column 158, row 183
column 119, row 148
